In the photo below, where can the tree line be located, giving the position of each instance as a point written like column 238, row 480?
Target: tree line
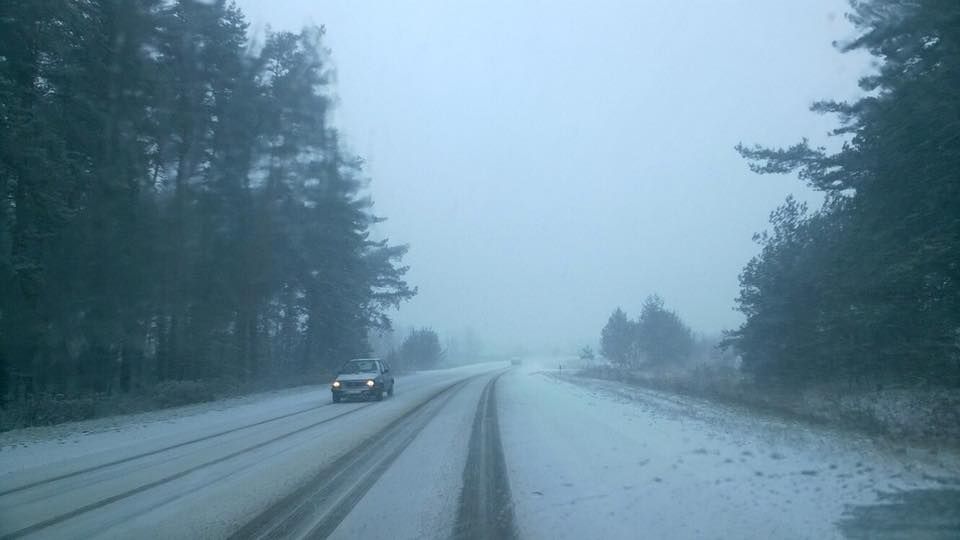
column 175, row 204
column 658, row 338
column 867, row 287
column 420, row 349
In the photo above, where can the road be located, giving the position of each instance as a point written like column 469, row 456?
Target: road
column 486, row 451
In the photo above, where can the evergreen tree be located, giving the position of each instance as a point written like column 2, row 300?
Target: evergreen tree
column 618, row 339
column 662, row 337
column 869, row 285
column 421, row 349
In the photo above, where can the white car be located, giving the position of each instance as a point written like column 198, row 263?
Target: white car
column 362, row 378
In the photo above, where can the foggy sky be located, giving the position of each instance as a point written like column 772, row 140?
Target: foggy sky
column 551, row 160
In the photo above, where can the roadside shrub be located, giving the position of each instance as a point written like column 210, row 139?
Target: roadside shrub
column 901, row 412
column 46, row 410
column 50, row 409
column 924, row 414
column 176, row 393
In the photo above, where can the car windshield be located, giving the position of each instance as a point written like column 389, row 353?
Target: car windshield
column 359, row 366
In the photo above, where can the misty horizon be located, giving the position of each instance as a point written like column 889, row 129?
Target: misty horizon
column 548, row 163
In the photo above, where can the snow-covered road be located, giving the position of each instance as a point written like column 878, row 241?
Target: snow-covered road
column 484, row 451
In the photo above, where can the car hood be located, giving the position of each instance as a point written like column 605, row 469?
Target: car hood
column 357, row 376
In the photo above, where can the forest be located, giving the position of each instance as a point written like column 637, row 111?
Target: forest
column 178, row 214
column 867, row 287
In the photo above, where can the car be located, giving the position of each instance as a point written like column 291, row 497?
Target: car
column 515, row 361
column 362, row 378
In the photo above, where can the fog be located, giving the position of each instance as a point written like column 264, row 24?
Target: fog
column 196, row 294
column 550, row 161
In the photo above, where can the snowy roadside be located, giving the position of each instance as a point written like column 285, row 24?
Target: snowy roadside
column 935, row 463
column 919, row 417
column 592, row 458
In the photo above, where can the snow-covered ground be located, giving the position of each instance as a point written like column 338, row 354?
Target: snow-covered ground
column 581, row 458
column 598, row 459
column 255, row 452
column 47, row 445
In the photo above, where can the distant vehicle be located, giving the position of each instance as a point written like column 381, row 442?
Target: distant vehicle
column 363, row 378
column 515, row 361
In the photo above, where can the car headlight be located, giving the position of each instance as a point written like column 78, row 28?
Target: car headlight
column 370, row 383
column 336, row 384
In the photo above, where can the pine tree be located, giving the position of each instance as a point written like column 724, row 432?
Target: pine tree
column 869, row 285
column 662, row 337
column 175, row 207
column 618, row 339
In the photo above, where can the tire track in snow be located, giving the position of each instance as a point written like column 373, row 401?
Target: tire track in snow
column 161, row 450
column 36, row 527
column 486, row 506
column 317, row 508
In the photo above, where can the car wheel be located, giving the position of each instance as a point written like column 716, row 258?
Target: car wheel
column 390, row 392
column 379, row 396
column 336, row 398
